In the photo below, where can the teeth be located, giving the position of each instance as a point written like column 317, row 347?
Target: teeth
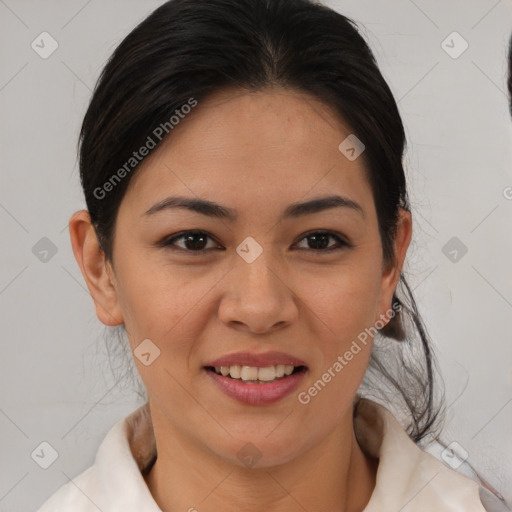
column 280, row 370
column 249, row 373
column 253, row 373
column 267, row 374
column 288, row 369
column 235, row 371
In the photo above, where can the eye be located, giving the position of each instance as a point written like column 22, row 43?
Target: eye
column 194, row 241
column 320, row 241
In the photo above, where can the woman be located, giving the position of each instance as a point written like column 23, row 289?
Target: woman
column 247, row 222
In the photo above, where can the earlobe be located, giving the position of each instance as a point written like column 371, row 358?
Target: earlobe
column 94, row 268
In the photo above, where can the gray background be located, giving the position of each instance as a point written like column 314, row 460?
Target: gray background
column 56, row 384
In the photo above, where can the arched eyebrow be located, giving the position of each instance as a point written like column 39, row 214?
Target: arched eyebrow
column 294, row 210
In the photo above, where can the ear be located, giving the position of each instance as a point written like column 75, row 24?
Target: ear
column 97, row 272
column 391, row 274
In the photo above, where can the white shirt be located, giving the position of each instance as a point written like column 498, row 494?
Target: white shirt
column 408, row 478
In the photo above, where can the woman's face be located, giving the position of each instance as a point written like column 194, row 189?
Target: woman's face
column 256, row 283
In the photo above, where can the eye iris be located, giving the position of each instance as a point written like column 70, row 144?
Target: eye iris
column 320, row 240
column 190, row 241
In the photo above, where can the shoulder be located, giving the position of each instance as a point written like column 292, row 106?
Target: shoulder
column 115, row 480
column 81, row 494
column 410, row 478
column 490, row 498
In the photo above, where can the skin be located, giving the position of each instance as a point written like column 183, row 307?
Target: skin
column 256, row 152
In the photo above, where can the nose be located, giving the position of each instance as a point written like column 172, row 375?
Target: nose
column 257, row 297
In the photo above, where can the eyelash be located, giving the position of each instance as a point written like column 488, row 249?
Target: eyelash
column 169, row 242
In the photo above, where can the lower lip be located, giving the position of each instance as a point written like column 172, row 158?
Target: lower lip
column 257, row 394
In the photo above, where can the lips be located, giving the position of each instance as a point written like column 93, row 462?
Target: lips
column 256, row 379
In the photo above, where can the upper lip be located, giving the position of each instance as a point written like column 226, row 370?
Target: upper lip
column 258, row 360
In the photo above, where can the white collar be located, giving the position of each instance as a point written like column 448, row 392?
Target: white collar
column 408, row 478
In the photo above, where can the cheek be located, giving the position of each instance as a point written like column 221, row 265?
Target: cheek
column 344, row 311
column 345, row 303
column 163, row 303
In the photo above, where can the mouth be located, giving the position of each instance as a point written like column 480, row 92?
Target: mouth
column 256, row 385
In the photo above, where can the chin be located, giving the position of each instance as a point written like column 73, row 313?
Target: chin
column 256, row 449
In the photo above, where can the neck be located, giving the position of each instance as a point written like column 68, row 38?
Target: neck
column 334, row 475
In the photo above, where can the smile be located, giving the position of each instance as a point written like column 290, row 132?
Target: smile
column 257, row 385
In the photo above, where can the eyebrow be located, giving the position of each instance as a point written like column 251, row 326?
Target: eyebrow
column 294, row 210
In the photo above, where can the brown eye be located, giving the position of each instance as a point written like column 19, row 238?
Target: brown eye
column 193, row 241
column 318, row 241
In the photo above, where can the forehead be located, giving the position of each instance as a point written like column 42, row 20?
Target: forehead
column 270, row 144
